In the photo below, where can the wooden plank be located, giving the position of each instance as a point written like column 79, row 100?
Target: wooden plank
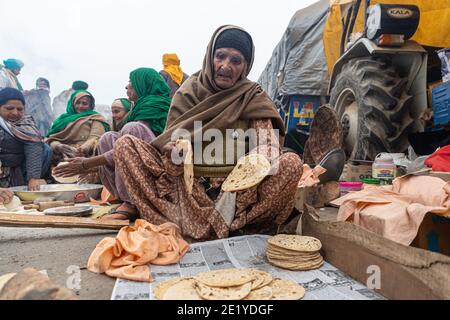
column 38, row 221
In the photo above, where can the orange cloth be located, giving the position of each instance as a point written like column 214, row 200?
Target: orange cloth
column 310, row 177
column 127, row 256
column 105, row 198
column 172, row 67
column 396, row 212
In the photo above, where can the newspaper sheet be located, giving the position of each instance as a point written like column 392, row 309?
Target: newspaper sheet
column 326, row 283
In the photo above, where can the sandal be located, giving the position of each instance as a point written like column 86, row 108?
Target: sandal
column 131, row 216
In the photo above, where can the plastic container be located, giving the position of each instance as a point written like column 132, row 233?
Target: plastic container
column 370, row 183
column 441, row 103
column 384, row 168
column 346, row 187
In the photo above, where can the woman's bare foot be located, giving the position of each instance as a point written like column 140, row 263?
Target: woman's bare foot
column 122, row 212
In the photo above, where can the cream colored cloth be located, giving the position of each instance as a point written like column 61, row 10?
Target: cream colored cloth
column 226, row 206
column 127, row 256
column 310, row 177
column 7, row 79
column 396, row 212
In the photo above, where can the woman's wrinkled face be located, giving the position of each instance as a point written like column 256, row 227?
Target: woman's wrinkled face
column 229, row 65
column 131, row 93
column 82, row 105
column 12, row 110
column 118, row 113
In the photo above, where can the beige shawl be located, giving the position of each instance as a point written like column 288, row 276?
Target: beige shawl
column 71, row 132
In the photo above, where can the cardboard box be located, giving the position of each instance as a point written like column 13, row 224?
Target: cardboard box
column 434, row 234
column 316, row 196
column 443, row 175
column 357, row 171
column 403, row 272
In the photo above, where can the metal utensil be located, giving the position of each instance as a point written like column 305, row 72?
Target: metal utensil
column 334, row 162
column 66, row 192
column 70, row 211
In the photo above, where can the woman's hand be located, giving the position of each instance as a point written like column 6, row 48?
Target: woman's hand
column 68, row 151
column 167, row 149
column 34, row 185
column 5, row 196
column 172, row 152
column 82, row 151
column 173, row 162
column 74, row 167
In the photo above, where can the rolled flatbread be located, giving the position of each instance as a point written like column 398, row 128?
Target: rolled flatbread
column 13, row 204
column 66, row 180
column 186, row 146
column 249, row 171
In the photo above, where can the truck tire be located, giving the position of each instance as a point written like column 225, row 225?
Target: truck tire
column 373, row 105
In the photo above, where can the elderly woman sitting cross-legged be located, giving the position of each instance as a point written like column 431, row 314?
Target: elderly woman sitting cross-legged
column 218, row 99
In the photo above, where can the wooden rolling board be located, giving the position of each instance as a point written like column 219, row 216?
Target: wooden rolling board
column 42, row 221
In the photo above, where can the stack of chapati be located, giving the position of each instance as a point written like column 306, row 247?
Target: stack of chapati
column 294, row 252
column 229, row 284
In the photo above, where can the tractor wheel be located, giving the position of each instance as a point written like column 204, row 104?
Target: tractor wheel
column 373, row 105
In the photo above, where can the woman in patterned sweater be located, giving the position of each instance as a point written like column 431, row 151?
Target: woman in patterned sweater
column 24, row 157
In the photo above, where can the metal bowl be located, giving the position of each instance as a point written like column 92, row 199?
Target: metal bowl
column 66, row 192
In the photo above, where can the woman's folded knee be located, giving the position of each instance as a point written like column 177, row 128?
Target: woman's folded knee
column 123, row 144
column 107, row 136
column 138, row 130
column 292, row 164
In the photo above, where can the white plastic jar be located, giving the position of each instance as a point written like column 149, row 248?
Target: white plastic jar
column 384, row 168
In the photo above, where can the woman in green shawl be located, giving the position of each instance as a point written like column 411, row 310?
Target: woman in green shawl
column 146, row 120
column 151, row 95
column 76, row 132
column 119, row 110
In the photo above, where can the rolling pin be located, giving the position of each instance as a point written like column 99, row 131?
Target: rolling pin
column 53, row 204
column 42, row 199
column 30, row 206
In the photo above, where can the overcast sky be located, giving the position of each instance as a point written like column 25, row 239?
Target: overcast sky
column 101, row 41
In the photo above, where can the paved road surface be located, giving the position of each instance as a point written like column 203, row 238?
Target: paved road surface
column 54, row 250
